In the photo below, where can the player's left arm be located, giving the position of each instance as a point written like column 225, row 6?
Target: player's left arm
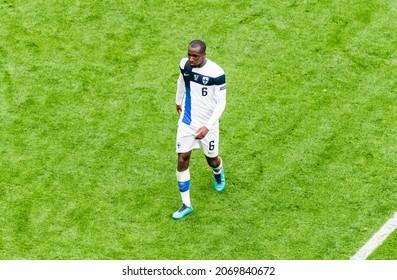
column 220, row 99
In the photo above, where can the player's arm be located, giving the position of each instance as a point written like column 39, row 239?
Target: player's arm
column 180, row 92
column 220, row 98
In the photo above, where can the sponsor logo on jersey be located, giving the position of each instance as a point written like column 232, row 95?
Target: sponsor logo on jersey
column 222, row 87
column 196, row 77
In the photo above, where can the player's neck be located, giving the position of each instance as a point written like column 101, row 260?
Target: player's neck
column 203, row 63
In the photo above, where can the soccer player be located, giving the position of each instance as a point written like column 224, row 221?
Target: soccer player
column 200, row 101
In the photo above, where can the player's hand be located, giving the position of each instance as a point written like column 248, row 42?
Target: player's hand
column 201, row 132
column 179, row 109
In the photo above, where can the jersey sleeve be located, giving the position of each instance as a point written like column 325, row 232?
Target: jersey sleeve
column 220, row 99
column 180, row 90
column 180, row 86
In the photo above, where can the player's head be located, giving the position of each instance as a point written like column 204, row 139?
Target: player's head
column 196, row 53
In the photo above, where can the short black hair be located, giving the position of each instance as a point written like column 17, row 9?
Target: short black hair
column 198, row 43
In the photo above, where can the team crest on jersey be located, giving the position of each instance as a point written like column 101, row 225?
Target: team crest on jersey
column 196, row 77
column 205, row 80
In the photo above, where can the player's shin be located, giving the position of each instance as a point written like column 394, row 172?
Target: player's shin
column 218, row 170
column 219, row 177
column 183, row 179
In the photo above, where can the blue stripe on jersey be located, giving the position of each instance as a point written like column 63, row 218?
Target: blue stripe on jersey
column 184, row 186
column 186, row 72
column 207, row 81
column 187, row 116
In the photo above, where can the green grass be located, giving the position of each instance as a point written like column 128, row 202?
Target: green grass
column 388, row 250
column 88, row 123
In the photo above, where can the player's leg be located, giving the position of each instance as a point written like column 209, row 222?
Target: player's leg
column 210, row 147
column 185, row 143
column 219, row 174
column 183, row 178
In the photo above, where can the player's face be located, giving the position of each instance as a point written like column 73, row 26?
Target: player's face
column 196, row 57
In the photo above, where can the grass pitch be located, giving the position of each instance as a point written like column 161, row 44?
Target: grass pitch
column 88, row 122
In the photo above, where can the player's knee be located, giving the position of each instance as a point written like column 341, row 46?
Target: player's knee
column 183, row 162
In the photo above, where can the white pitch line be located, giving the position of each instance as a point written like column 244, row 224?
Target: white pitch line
column 377, row 239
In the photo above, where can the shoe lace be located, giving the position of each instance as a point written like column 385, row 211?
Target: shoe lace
column 218, row 178
column 182, row 208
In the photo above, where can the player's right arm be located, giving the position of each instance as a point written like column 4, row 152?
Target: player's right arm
column 180, row 92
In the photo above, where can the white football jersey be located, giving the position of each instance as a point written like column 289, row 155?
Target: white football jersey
column 203, row 90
